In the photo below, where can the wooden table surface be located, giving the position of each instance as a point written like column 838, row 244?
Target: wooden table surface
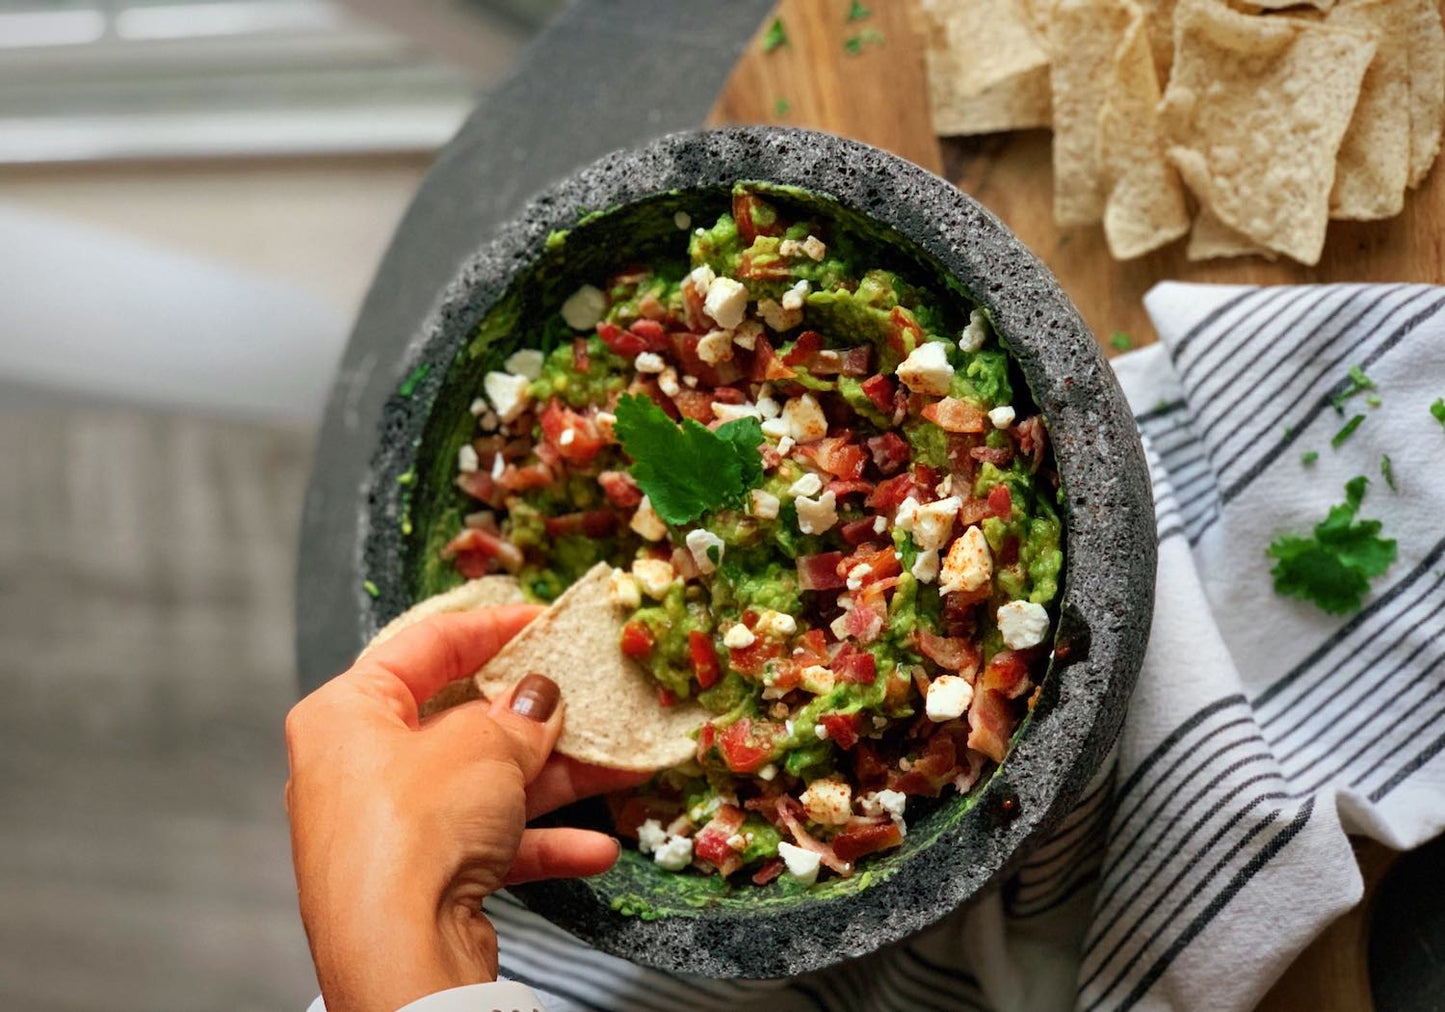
column 879, row 95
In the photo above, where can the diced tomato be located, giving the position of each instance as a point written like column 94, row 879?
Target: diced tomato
column 484, row 549
column 692, row 301
column 620, row 489
column 711, row 841
column 842, row 728
column 524, row 479
column 585, row 441
column 770, row 869
column 754, row 218
column 889, row 494
column 653, row 334
column 889, row 452
column 706, row 739
column 746, row 746
column 954, row 415
column 854, row 666
column 705, row 666
column 857, row 841
column 627, row 345
column 481, row 486
column 998, row 456
column 855, row 532
column 811, row 648
column 646, row 386
column 694, row 404
column 879, row 389
column 637, row 640
column 581, row 354
column 819, row 572
column 690, row 363
column 838, row 456
column 762, row 267
column 952, row 653
column 589, row 523
column 904, row 333
column 751, row 660
column 927, row 477
column 856, row 361
column 665, row 696
column 1000, row 500
column 808, row 344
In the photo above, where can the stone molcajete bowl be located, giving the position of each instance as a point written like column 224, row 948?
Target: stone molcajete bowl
column 623, row 206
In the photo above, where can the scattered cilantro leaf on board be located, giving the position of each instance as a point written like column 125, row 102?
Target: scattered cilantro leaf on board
column 857, row 12
column 371, row 588
column 1438, row 410
column 781, row 107
column 1356, row 382
column 855, row 44
column 1338, row 439
column 1309, row 457
column 688, row 470
column 1387, row 469
column 408, row 385
column 1120, row 341
column 1374, row 400
column 775, row 36
column 1333, row 567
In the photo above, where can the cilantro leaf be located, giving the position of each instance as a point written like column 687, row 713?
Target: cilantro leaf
column 775, row 36
column 1309, row 457
column 1438, row 410
column 687, row 470
column 1355, row 383
column 1338, row 439
column 857, row 12
column 1388, row 470
column 781, row 107
column 855, row 44
column 1333, row 568
column 1120, row 341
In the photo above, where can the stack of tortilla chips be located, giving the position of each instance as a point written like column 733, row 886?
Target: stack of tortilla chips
column 1243, row 124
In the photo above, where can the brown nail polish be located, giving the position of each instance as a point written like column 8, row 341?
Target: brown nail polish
column 536, row 697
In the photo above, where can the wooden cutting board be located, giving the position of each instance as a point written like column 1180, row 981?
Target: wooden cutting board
column 879, row 94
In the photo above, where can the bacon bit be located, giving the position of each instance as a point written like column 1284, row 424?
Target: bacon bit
column 974, row 511
column 855, row 842
column 842, row 728
column 620, row 489
column 953, row 653
column 954, row 415
column 705, row 665
column 998, row 456
column 651, row 307
column 856, row 532
column 647, row 387
column 1007, row 672
column 868, row 769
column 804, row 349
column 629, row 811
column 819, row 572
column 1033, row 439
column 589, row 523
column 854, row 666
column 711, row 842
column 1000, row 501
column 581, row 356
column 653, row 334
column 690, row 363
column 481, row 486
column 762, row 359
column 729, row 395
column 856, row 361
column 990, row 723
column 692, row 301
column 842, row 488
column 837, row 456
column 930, row 772
column 771, row 869
column 882, row 563
column 771, row 457
column 483, row 546
column 865, row 622
column 790, row 813
column 889, row 452
column 584, row 443
column 1008, row 552
column 888, row 494
column 879, row 389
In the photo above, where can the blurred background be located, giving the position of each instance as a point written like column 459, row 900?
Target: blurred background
column 193, row 199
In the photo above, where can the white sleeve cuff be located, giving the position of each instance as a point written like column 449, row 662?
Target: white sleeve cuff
column 498, row 996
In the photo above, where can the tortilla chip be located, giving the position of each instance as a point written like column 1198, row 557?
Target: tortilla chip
column 1159, row 18
column 613, row 715
column 1374, row 160
column 1426, row 41
column 480, row 593
column 1084, row 36
column 1275, row 5
column 1254, row 115
column 1212, row 238
column 987, row 67
column 1145, row 207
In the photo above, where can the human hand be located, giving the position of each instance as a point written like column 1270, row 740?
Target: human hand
column 400, row 827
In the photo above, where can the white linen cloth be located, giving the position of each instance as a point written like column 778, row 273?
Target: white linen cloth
column 1262, row 730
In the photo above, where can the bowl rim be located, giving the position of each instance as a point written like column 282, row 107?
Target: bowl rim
column 1110, row 544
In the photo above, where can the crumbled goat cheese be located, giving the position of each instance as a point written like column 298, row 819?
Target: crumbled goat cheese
column 828, row 802
column 715, row 346
column 932, row 522
column 623, row 590
column 805, row 419
column 649, row 361
column 675, row 854
column 814, row 247
column 926, row 369
column 808, row 484
column 650, row 836
column 467, row 459
column 765, row 504
column 507, row 393
column 975, row 333
column 701, row 544
column 969, row 564
column 801, row 864
column 1022, row 624
column 738, row 637
column 925, row 566
column 584, row 308
column 726, row 302
column 1001, row 417
column 948, row 698
column 776, row 623
column 654, row 576
column 527, row 362
column 793, row 297
column 777, row 317
column 731, row 412
column 647, row 523
column 816, row 515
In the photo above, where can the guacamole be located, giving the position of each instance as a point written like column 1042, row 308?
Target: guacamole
column 832, row 513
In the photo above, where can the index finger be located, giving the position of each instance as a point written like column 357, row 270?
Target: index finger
column 416, row 663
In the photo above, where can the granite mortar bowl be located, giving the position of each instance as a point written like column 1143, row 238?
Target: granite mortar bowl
column 622, row 206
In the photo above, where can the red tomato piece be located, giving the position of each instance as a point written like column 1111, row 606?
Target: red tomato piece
column 754, row 217
column 585, row 441
column 808, row 344
column 627, row 345
column 652, row 333
column 620, row 489
column 838, row 456
column 637, row 640
column 879, row 389
column 1000, row 500
column 854, row 666
column 745, row 746
column 589, row 523
column 751, row 660
column 486, row 547
column 954, row 415
column 705, row 665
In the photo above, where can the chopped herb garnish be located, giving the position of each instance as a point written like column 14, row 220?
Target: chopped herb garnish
column 1120, row 341
column 1438, row 410
column 1388, row 470
column 1338, row 439
column 855, row 44
column 857, row 12
column 370, row 588
column 1309, row 457
column 408, row 385
column 1355, row 383
column 1289, row 432
column 781, row 107
column 1333, row 567
column 406, row 477
column 775, row 36
column 687, row 470
column 1374, row 400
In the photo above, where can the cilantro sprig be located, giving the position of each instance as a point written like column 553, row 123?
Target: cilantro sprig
column 1356, row 382
column 1437, row 410
column 775, row 36
column 687, row 470
column 1333, row 567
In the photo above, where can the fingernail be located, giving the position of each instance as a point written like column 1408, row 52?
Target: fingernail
column 536, row 697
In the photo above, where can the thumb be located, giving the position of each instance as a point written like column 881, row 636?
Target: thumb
column 530, row 717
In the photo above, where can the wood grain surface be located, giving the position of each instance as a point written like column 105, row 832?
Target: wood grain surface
column 879, row 95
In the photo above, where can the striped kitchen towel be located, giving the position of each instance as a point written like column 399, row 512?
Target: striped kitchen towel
column 1263, row 729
